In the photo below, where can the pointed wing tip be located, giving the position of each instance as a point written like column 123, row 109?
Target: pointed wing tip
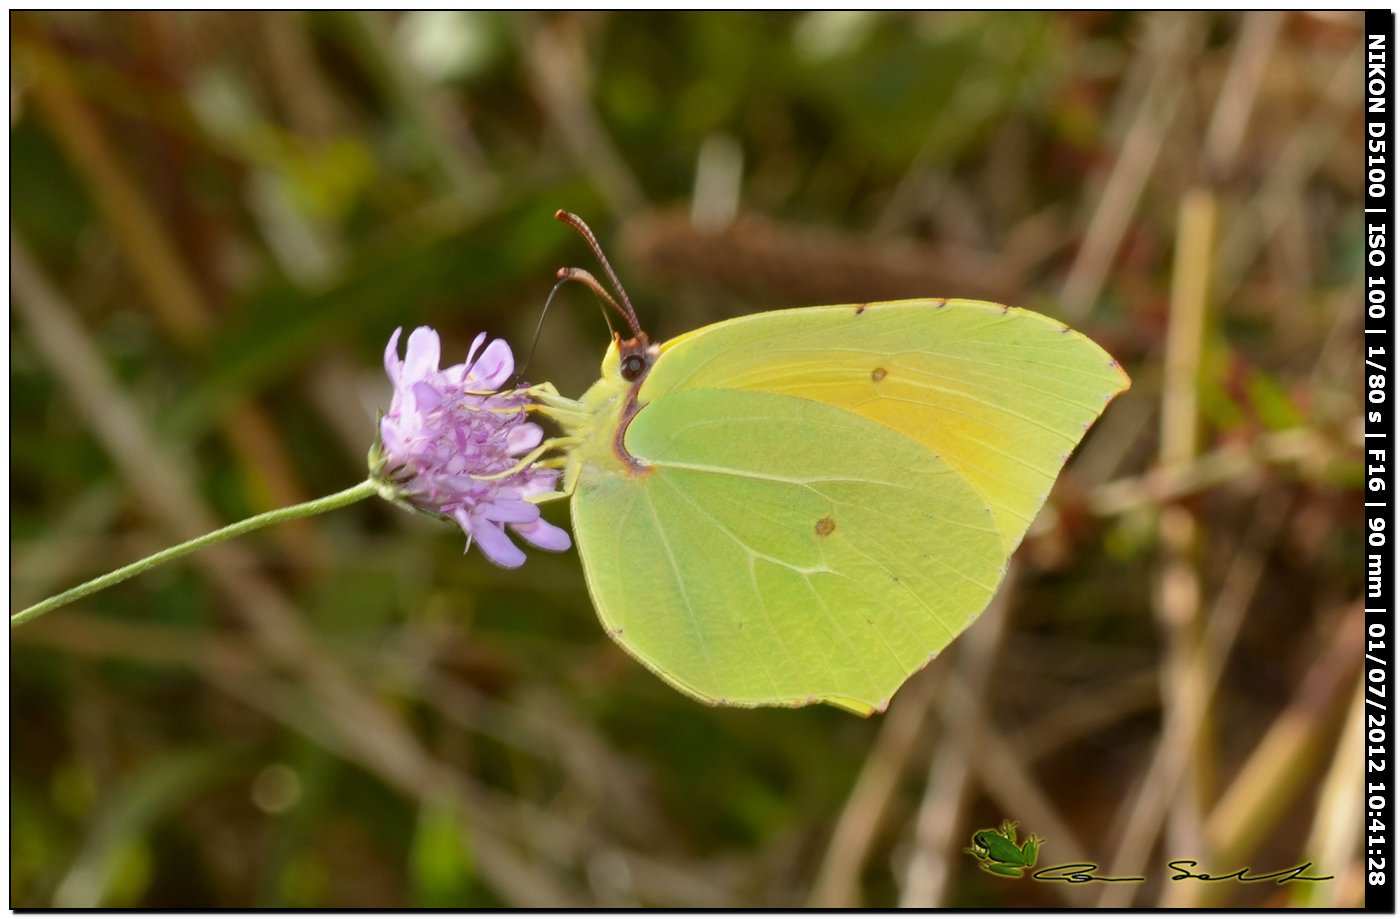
column 1125, row 381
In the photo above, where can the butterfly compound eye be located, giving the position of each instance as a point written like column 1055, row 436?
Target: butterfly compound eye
column 633, row 366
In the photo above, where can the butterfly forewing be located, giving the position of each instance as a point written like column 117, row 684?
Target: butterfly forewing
column 1000, row 394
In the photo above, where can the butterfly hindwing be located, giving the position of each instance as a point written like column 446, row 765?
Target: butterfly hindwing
column 782, row 551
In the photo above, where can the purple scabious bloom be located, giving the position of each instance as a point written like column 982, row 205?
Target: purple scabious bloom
column 447, row 429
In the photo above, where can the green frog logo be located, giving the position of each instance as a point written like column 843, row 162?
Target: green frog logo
column 999, row 854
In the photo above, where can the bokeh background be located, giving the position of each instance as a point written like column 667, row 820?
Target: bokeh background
column 218, row 219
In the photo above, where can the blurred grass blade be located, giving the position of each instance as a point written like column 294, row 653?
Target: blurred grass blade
column 440, row 862
column 160, row 787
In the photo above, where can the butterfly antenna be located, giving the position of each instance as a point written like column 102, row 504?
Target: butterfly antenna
column 587, row 280
column 535, row 341
column 626, row 310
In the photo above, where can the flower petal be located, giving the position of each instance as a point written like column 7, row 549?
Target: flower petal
column 392, row 365
column 425, row 396
column 421, row 360
column 390, row 436
column 511, row 511
column 544, row 535
column 471, row 352
column 457, row 373
column 523, row 437
column 492, row 368
column 496, row 545
column 539, row 482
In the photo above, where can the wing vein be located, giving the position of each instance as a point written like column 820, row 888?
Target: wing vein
column 685, row 597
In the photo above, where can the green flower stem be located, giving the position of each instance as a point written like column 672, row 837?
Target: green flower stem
column 307, row 509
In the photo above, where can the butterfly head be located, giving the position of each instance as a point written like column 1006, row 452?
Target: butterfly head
column 634, row 356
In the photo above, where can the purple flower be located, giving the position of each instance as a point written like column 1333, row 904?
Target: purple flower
column 447, row 431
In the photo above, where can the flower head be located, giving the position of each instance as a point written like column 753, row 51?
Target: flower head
column 448, row 438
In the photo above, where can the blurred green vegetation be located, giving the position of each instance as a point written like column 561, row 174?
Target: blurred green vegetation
column 228, row 213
